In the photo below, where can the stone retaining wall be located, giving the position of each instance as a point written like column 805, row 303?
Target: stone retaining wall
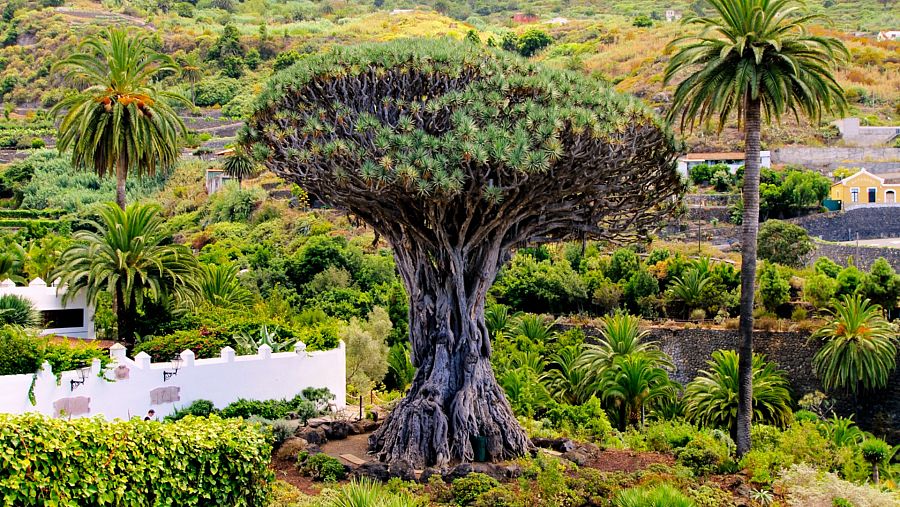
column 863, row 256
column 828, row 159
column 690, row 349
column 868, row 223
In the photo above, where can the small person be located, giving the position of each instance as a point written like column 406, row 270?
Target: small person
column 150, row 414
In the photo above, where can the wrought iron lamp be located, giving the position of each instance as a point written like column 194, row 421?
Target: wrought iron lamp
column 176, row 364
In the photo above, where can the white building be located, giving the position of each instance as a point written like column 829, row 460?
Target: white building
column 672, row 15
column 888, row 35
column 854, row 133
column 732, row 159
column 75, row 318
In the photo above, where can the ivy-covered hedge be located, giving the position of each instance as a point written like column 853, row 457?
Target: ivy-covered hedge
column 30, row 213
column 194, row 461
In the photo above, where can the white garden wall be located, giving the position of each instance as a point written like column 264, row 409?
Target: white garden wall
column 49, row 298
column 131, row 387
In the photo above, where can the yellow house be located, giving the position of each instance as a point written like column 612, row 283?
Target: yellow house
column 866, row 188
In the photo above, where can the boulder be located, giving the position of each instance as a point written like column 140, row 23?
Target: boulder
column 363, row 426
column 312, row 435
column 428, row 473
column 458, row 472
column 403, row 470
column 290, row 448
column 336, row 430
column 373, row 470
column 490, row 469
column 577, row 456
column 557, row 444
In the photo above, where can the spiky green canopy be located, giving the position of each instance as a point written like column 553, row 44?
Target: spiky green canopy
column 426, row 132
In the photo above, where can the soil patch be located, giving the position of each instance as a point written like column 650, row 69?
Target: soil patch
column 286, row 470
column 618, row 460
column 356, row 445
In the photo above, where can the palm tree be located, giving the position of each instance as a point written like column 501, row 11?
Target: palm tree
column 190, row 70
column 688, row 289
column 12, row 261
column 218, row 285
column 125, row 254
column 621, row 335
column 859, row 347
column 120, row 123
column 711, row 399
column 753, row 58
column 239, row 165
column 634, row 381
column 568, row 379
column 18, row 311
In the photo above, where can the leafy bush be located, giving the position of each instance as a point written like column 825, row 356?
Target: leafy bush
column 298, row 407
column 199, row 408
column 21, row 353
column 704, row 454
column 321, row 467
column 774, row 287
column 784, row 243
column 216, row 91
column 466, row 489
column 202, row 342
column 133, row 463
column 588, row 419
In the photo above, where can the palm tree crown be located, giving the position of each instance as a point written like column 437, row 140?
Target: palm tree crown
column 859, row 347
column 754, row 50
column 126, row 255
column 238, row 165
column 120, row 123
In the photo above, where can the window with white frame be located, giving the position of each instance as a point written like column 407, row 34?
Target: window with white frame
column 854, row 194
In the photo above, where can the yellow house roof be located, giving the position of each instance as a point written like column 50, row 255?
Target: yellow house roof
column 884, row 178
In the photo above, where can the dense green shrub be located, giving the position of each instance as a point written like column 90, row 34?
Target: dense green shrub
column 321, row 467
column 199, row 408
column 774, row 286
column 21, row 353
column 216, row 91
column 202, row 342
column 192, row 462
column 298, row 407
column 662, row 495
column 466, row 489
column 704, row 454
column 588, row 419
column 784, row 243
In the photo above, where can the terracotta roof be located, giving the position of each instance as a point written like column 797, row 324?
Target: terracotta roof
column 890, row 178
column 729, row 155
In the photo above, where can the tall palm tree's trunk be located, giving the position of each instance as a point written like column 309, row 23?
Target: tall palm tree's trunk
column 193, row 95
column 121, row 176
column 749, row 230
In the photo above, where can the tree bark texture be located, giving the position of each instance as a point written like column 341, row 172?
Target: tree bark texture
column 418, row 177
column 121, row 177
column 749, row 232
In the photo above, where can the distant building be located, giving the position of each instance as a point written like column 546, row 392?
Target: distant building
column 672, row 15
column 853, row 133
column 74, row 319
column 733, row 160
column 558, row 21
column 524, row 17
column 887, row 36
column 866, row 189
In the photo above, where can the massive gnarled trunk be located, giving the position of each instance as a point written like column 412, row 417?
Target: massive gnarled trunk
column 454, row 397
column 457, row 156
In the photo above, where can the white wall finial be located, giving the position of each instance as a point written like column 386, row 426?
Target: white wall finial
column 188, row 357
column 264, row 351
column 38, row 282
column 7, row 283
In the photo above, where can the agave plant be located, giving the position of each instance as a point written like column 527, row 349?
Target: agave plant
column 536, row 328
column 712, row 398
column 17, row 311
column 662, row 495
column 247, row 344
column 622, row 335
column 859, row 347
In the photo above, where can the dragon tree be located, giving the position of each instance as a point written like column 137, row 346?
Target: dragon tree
column 457, row 155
